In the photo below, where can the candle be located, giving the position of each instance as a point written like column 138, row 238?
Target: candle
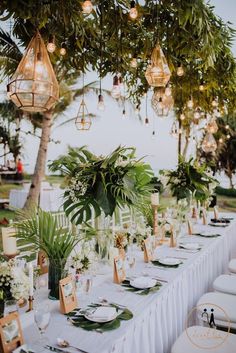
column 9, row 244
column 155, row 199
column 31, row 279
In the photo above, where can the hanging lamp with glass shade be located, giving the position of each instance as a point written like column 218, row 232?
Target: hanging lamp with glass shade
column 174, row 130
column 34, row 87
column 83, row 121
column 209, row 144
column 158, row 72
column 212, row 126
column 161, row 103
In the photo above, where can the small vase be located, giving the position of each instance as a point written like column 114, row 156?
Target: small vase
column 1, row 308
column 56, row 272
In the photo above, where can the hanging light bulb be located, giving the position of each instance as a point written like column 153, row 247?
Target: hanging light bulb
column 221, row 140
column 168, row 90
column 123, row 114
column 212, row 126
column 215, row 103
column 158, row 72
column 190, row 103
column 134, row 63
column 115, row 92
column 137, row 110
column 101, row 105
column 201, row 86
column 153, row 134
column 228, row 136
column 51, row 46
column 209, row 144
column 197, row 114
column 87, row 7
column 227, row 127
column 180, row 71
column 133, row 13
column 120, row 80
column 34, row 86
column 63, row 51
column 182, row 116
column 146, row 122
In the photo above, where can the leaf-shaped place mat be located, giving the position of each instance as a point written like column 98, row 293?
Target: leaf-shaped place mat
column 80, row 321
column 139, row 291
column 157, row 263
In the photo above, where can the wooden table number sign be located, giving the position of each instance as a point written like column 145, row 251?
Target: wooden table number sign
column 119, row 270
column 67, row 295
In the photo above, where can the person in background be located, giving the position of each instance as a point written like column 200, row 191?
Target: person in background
column 19, row 170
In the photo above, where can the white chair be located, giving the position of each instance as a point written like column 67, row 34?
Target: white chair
column 224, row 306
column 232, row 266
column 225, row 284
column 199, row 339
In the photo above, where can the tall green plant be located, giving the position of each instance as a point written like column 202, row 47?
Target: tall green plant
column 97, row 184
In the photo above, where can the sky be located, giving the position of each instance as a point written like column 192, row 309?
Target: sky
column 109, row 130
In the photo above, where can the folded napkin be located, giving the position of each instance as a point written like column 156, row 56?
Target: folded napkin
column 103, row 313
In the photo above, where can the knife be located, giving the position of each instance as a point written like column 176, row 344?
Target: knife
column 54, row 349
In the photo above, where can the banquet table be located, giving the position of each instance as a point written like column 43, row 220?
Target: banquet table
column 51, row 199
column 159, row 318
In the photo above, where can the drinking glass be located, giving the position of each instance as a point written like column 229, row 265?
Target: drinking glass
column 42, row 318
column 131, row 262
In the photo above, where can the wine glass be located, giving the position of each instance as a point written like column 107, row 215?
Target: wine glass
column 131, row 262
column 10, row 306
column 42, row 318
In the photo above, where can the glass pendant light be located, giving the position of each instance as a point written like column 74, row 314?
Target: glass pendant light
column 161, row 103
column 34, row 87
column 51, row 46
column 83, row 121
column 209, row 144
column 87, row 7
column 133, row 13
column 158, row 72
column 116, row 92
column 212, row 126
column 146, row 122
column 101, row 105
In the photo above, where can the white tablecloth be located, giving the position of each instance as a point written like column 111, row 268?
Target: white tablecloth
column 159, row 318
column 51, row 199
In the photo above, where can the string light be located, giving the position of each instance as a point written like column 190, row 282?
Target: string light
column 190, row 103
column 146, row 122
column 168, row 90
column 134, row 63
column 133, row 13
column 215, row 103
column 153, row 134
column 87, row 7
column 115, row 92
column 227, row 127
column 182, row 116
column 51, row 46
column 180, row 71
column 228, row 136
column 197, row 114
column 101, row 105
column 201, row 86
column 221, row 140
column 63, row 51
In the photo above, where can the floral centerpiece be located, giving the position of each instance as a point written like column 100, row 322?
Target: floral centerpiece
column 121, row 242
column 190, row 179
column 98, row 184
column 14, row 283
column 83, row 259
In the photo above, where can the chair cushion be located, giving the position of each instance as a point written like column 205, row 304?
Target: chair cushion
column 232, row 265
column 223, row 304
column 225, row 284
column 199, row 339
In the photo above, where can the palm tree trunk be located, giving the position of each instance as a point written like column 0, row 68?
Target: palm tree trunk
column 39, row 171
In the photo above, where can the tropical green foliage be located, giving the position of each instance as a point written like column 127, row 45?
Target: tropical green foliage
column 97, row 183
column 190, row 178
column 40, row 231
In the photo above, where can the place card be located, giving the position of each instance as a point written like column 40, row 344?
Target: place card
column 190, row 227
column 10, row 333
column 42, row 262
column 67, row 295
column 148, row 250
column 119, row 270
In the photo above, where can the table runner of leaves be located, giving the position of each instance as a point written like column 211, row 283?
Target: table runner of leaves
column 157, row 263
column 79, row 320
column 139, row 291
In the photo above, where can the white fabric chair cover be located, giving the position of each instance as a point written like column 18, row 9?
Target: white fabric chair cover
column 225, row 284
column 190, row 343
column 224, row 306
column 232, row 266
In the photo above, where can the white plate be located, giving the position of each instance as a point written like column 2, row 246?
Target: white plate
column 102, row 314
column 143, row 282
column 170, row 261
column 224, row 225
column 208, row 234
column 190, row 246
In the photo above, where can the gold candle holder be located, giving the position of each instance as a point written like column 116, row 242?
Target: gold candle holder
column 30, row 300
column 155, row 219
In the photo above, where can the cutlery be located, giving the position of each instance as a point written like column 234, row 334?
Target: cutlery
column 105, row 301
column 65, row 344
column 179, row 258
column 187, row 251
column 54, row 349
column 160, row 279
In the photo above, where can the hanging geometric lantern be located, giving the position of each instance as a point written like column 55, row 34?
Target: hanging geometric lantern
column 34, row 87
column 161, row 103
column 83, row 121
column 212, row 126
column 158, row 73
column 174, row 130
column 209, row 144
